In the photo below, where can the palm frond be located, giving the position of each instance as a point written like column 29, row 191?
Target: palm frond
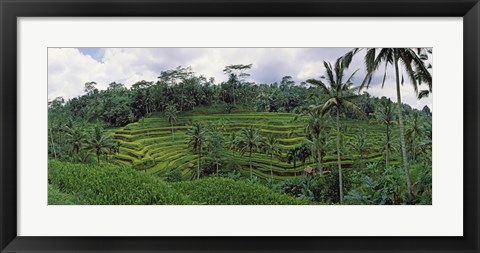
column 350, row 79
column 384, row 74
column 406, row 62
column 328, row 69
column 347, row 59
column 420, row 68
column 328, row 105
column 352, row 107
column 423, row 94
column 318, row 83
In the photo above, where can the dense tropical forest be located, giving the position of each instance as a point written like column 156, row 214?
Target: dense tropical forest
column 187, row 139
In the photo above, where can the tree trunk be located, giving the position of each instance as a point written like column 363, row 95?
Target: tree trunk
column 98, row 157
column 387, row 151
column 251, row 170
column 294, row 167
column 340, row 180
column 234, row 95
column 173, row 136
column 217, row 168
column 402, row 129
column 271, row 166
column 198, row 164
column 320, row 166
column 414, row 149
column 53, row 144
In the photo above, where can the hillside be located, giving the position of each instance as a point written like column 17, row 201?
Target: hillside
column 149, row 144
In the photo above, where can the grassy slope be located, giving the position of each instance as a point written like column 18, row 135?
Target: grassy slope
column 110, row 185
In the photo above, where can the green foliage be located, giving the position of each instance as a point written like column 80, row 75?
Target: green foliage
column 109, row 185
column 321, row 189
column 83, row 184
column 173, row 176
column 56, row 197
column 197, row 137
column 99, row 143
column 224, row 191
column 225, row 135
column 378, row 186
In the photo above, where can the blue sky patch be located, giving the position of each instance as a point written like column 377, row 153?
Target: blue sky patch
column 95, row 52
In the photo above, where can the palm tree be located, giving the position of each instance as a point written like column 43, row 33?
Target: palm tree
column 251, row 140
column 414, row 132
column 304, row 153
column 171, row 115
column 271, row 148
column 339, row 93
column 292, row 156
column 99, row 142
column 215, row 148
column 360, row 145
column 318, row 146
column 386, row 116
column 76, row 138
column 197, row 138
column 414, row 65
column 314, row 128
column 233, row 143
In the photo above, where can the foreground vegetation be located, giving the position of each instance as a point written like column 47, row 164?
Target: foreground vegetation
column 110, row 185
column 186, row 140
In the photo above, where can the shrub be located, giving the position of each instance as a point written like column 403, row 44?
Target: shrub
column 384, row 187
column 111, row 185
column 323, row 189
column 55, row 197
column 224, row 191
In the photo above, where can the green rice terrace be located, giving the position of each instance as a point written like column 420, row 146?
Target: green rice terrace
column 185, row 139
column 149, row 145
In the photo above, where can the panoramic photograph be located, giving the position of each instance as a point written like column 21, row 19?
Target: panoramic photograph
column 240, row 126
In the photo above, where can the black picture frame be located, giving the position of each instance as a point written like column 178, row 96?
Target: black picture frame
column 10, row 10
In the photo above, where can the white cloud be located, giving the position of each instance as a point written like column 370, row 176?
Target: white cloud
column 69, row 69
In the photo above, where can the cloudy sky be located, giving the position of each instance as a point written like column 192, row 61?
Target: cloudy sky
column 70, row 68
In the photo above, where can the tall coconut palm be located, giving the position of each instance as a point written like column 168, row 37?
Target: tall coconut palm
column 233, row 143
column 360, row 145
column 292, row 156
column 386, row 115
column 76, row 138
column 339, row 93
column 171, row 116
column 318, row 146
column 251, row 141
column 271, row 147
column 198, row 137
column 415, row 130
column 413, row 61
column 304, row 153
column 215, row 144
column 99, row 142
column 314, row 128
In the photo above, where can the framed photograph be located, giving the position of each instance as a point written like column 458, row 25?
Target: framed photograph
column 239, row 126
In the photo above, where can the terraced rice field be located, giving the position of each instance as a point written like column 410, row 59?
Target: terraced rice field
column 148, row 145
